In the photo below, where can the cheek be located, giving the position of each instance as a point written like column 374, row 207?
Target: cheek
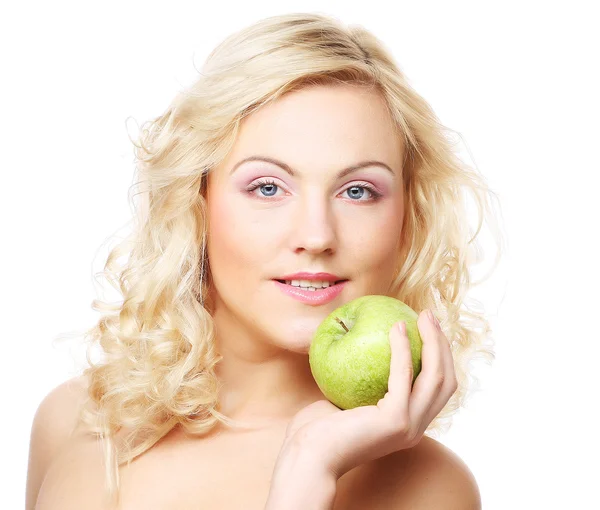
column 237, row 242
column 373, row 240
column 391, row 224
column 224, row 247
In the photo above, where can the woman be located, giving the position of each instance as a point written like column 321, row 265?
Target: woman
column 300, row 157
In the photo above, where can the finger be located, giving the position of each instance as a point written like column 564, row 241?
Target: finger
column 401, row 372
column 426, row 387
column 450, row 383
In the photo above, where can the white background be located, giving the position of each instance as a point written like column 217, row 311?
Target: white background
column 517, row 80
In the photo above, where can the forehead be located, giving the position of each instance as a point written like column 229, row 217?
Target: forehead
column 328, row 124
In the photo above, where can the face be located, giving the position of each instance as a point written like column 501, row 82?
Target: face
column 298, row 207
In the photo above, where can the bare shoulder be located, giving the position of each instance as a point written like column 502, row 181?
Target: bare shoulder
column 430, row 475
column 443, row 480
column 54, row 422
column 58, row 412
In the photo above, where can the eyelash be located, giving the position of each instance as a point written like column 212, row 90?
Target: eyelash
column 375, row 195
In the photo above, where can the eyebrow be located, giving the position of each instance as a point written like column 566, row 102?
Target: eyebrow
column 289, row 170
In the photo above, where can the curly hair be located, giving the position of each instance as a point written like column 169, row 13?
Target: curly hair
column 158, row 356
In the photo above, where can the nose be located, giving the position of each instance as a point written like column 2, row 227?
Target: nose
column 314, row 229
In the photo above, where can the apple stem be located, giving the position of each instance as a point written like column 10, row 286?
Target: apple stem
column 342, row 324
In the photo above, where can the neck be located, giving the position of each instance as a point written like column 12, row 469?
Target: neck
column 260, row 382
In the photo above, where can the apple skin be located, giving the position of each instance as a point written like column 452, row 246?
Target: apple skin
column 352, row 368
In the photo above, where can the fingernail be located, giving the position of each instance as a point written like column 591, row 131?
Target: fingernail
column 434, row 320
column 402, row 327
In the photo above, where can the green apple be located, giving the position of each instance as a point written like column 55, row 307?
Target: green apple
column 350, row 352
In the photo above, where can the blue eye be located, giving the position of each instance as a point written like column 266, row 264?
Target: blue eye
column 265, row 184
column 356, row 192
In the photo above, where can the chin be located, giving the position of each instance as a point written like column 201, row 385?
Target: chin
column 299, row 349
column 298, row 337
column 299, row 344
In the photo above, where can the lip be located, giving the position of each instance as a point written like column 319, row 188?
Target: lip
column 312, row 297
column 325, row 277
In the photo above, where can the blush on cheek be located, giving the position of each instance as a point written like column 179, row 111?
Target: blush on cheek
column 221, row 234
column 234, row 246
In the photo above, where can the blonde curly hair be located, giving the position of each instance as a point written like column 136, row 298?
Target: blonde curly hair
column 157, row 345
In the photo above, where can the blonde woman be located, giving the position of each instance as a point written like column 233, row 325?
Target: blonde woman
column 300, row 156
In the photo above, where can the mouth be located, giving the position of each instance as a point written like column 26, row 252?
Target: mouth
column 323, row 285
column 311, row 295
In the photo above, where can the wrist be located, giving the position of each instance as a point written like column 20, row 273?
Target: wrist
column 300, row 481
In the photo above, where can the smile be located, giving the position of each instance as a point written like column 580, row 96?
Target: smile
column 310, row 284
column 309, row 294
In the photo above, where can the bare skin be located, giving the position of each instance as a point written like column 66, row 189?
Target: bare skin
column 315, row 221
column 231, row 470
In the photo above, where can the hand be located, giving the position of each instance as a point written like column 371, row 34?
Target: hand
column 340, row 440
